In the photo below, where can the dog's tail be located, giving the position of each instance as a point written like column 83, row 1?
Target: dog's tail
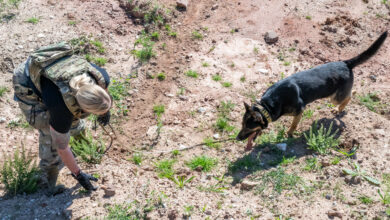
column 368, row 53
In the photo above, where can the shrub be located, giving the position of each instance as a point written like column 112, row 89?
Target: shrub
column 321, row 140
column 192, row 74
column 87, row 148
column 20, row 175
column 202, row 162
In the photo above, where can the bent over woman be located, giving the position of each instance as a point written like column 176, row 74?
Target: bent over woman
column 55, row 90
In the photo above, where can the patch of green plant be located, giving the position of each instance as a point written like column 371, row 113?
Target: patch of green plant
column 155, row 36
column 172, row 34
column 188, row 210
column 181, row 91
column 371, row 101
column 216, row 77
column 247, row 163
column 99, row 46
column 279, row 180
column 192, row 73
column 175, row 153
column 226, row 84
column 159, row 110
column 165, row 168
column 86, row 147
column 312, row 164
column 308, row 17
column 242, row 79
column 359, row 172
column 33, row 20
column 291, row 49
column 336, row 160
column 287, row 160
column 210, row 142
column 225, row 108
column 365, row 200
column 307, row 114
column 205, row 64
column 122, row 212
column 161, row 76
column 222, row 124
column 137, row 159
column 255, row 50
column 19, row 174
column 286, row 63
column 211, row 49
column 72, row 23
column 118, row 89
column 321, row 140
column 18, row 123
column 96, row 175
column 272, row 137
column 202, row 162
column 196, row 35
column 14, row 3
column 100, row 61
column 146, row 52
column 181, row 181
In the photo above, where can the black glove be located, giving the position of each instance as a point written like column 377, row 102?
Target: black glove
column 104, row 119
column 85, row 180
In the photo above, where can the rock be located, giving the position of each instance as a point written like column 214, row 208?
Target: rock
column 182, row 146
column 282, row 146
column 201, row 109
column 353, row 180
column 2, row 120
column 263, row 71
column 335, row 213
column 328, row 197
column 169, row 95
column 182, row 4
column 216, row 136
column 325, row 163
column 108, row 191
column 215, row 7
column 183, row 98
column 70, row 16
column 41, row 36
column 247, row 185
column 152, row 131
column 271, row 37
column 373, row 78
column 172, row 214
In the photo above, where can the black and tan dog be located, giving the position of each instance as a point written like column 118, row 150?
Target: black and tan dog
column 290, row 95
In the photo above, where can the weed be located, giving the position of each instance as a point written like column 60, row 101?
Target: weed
column 222, row 124
column 161, row 76
column 292, row 49
column 100, row 61
column 19, row 174
column 205, row 64
column 159, row 110
column 87, row 148
column 163, row 46
column 155, row 36
column 118, row 90
column 286, row 63
column 188, row 210
column 227, row 84
column 280, row 181
column 211, row 49
column 216, row 77
column 96, row 175
column 203, row 163
column 3, row 90
column 321, row 140
column 196, row 35
column 385, row 197
column 146, row 52
column 181, row 181
column 72, row 23
column 33, row 20
column 18, row 123
column 365, row 200
column 308, row 17
column 307, row 114
column 335, row 160
column 175, row 153
column 242, row 79
column 271, row 137
column 122, row 212
column 371, row 101
column 361, row 173
column 165, row 168
column 181, row 91
column 99, row 45
column 225, row 108
column 137, row 159
column 312, row 164
column 209, row 142
column 192, row 73
column 255, row 50
column 172, row 34
column 287, row 160
column 232, row 65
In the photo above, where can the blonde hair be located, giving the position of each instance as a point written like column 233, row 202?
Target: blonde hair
column 91, row 97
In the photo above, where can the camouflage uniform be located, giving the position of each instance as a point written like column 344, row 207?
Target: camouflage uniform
column 38, row 117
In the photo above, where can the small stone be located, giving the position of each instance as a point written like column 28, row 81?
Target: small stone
column 2, row 120
column 353, row 180
column 201, row 109
column 182, row 146
column 328, row 197
column 208, row 212
column 169, row 95
column 152, row 131
column 216, row 136
column 271, row 37
column 373, row 78
column 182, row 4
column 335, row 213
column 183, row 98
column 247, row 185
column 41, row 36
column 108, row 191
column 20, row 47
column 51, row 16
column 70, row 16
column 282, row 146
column 263, row 71
column 215, row 7
column 325, row 163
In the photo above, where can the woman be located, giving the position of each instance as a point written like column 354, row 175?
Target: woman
column 55, row 89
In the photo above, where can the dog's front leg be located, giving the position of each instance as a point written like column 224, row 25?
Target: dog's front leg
column 294, row 124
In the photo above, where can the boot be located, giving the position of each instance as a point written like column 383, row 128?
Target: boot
column 52, row 175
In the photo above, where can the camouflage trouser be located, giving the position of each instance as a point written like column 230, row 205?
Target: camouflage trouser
column 38, row 117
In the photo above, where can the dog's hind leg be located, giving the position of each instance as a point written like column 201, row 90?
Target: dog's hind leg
column 294, row 124
column 344, row 103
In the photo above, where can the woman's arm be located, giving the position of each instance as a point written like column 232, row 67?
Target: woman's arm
column 60, row 141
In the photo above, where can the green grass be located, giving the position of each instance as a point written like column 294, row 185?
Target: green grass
column 33, row 20
column 308, row 17
column 222, row 124
column 205, row 64
column 209, row 142
column 161, row 76
column 321, row 140
column 307, row 114
column 202, row 162
column 72, row 23
column 255, row 50
column 172, row 34
column 216, row 77
column 192, row 73
column 164, row 168
column 286, row 63
column 19, row 174
column 137, row 159
column 99, row 45
column 146, row 52
column 365, row 200
column 86, row 147
column 159, row 110
column 312, row 164
column 18, row 123
column 279, row 180
column 272, row 137
column 155, row 36
column 243, row 79
column 181, row 181
column 118, row 89
column 100, row 61
column 225, row 108
column 226, row 84
column 336, row 160
column 122, row 212
column 371, row 101
column 287, row 160
column 196, row 35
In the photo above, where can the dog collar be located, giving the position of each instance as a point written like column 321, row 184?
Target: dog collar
column 264, row 112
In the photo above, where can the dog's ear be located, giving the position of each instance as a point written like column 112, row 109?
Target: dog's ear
column 247, row 107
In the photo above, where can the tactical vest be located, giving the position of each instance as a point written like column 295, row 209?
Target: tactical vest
column 58, row 63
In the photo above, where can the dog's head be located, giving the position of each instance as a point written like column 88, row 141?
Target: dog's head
column 252, row 125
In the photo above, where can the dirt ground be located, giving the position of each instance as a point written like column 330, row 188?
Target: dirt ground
column 232, row 46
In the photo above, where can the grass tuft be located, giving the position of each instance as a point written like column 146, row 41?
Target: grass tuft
column 165, row 168
column 321, row 140
column 192, row 73
column 90, row 150
column 202, row 162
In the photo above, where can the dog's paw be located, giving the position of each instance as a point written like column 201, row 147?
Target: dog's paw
column 335, row 111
